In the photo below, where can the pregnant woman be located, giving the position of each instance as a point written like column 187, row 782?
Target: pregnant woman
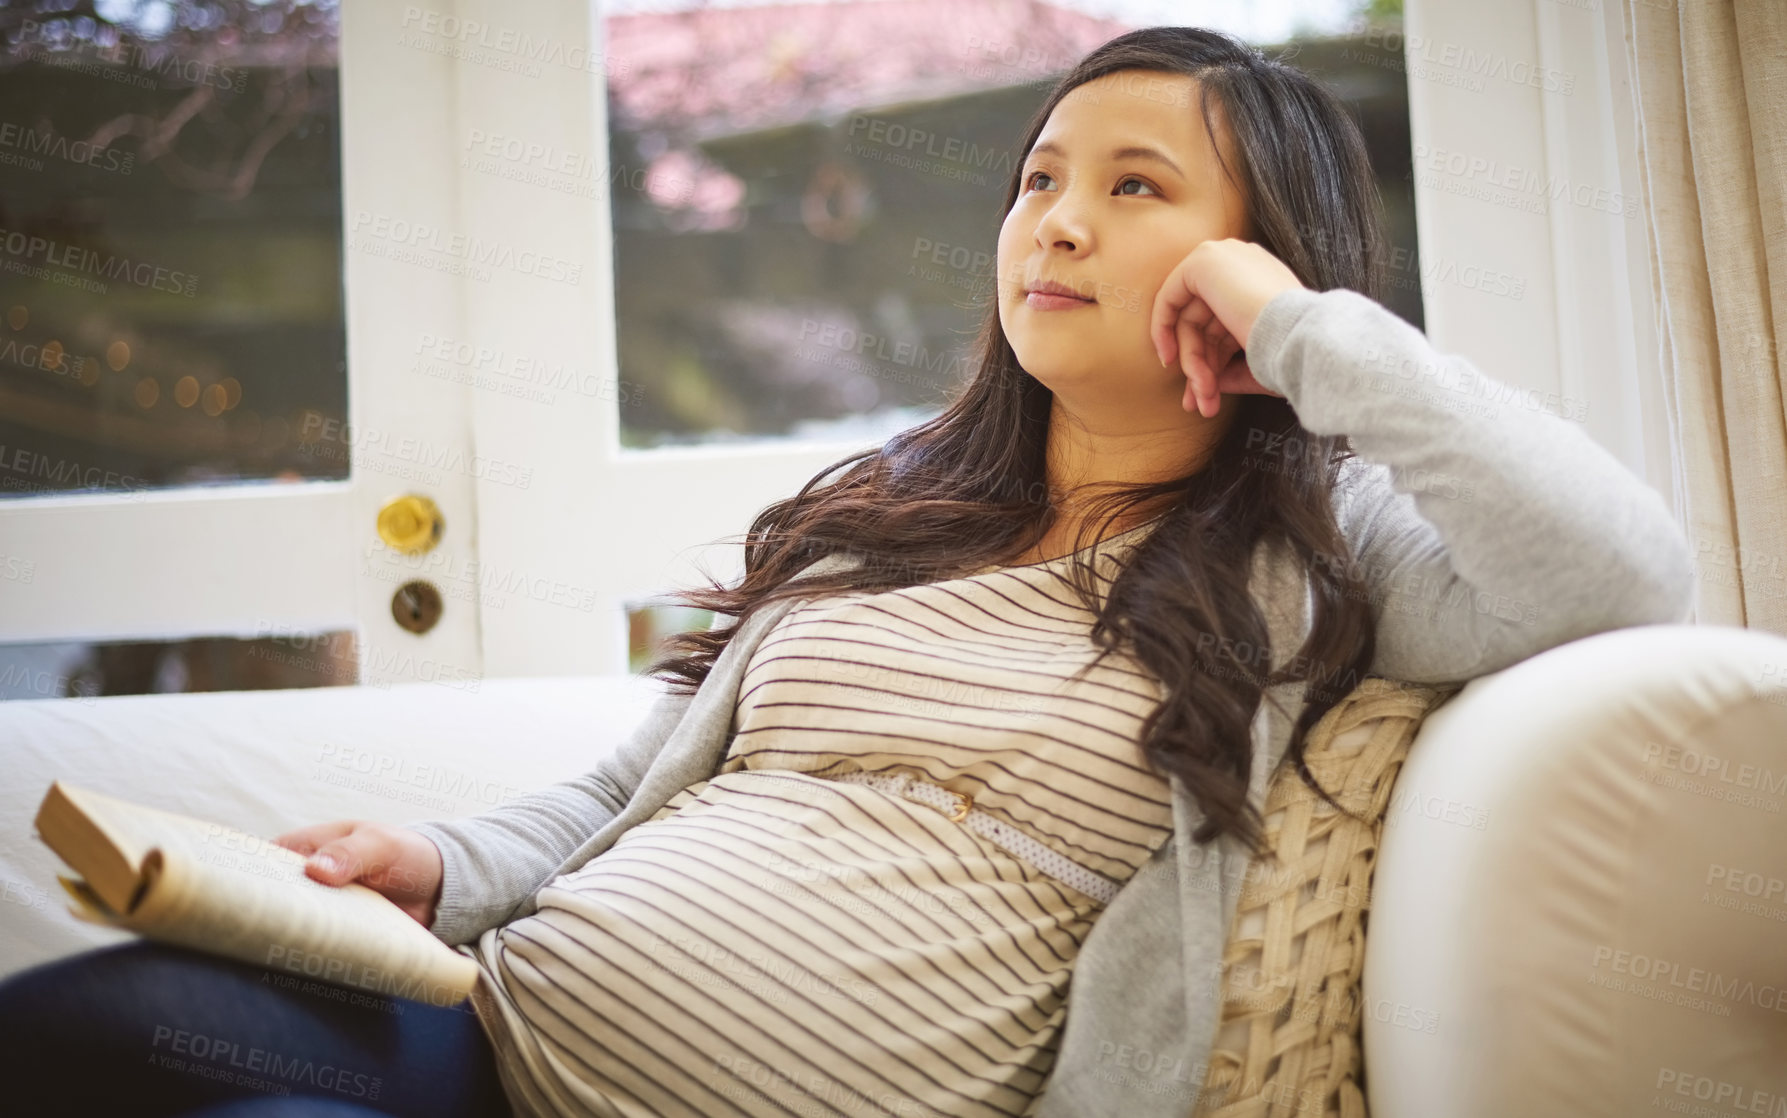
column 951, row 818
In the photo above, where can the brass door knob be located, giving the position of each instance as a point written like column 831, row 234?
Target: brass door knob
column 411, row 523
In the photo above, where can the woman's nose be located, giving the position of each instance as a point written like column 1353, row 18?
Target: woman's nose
column 1064, row 224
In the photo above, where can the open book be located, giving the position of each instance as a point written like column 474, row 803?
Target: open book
column 213, row 888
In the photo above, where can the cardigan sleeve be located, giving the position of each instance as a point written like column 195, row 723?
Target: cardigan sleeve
column 494, row 861
column 1483, row 528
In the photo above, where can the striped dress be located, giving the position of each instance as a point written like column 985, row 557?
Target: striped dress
column 776, row 940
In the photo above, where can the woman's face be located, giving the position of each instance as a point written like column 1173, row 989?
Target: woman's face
column 1120, row 186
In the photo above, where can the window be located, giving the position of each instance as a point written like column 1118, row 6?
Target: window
column 806, row 197
column 171, row 243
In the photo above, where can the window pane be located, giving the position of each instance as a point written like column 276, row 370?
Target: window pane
column 649, row 623
column 170, row 245
column 807, row 197
column 82, row 670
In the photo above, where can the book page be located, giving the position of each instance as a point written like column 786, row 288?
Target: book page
column 217, row 889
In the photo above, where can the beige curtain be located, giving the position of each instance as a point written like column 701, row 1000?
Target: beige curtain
column 1710, row 94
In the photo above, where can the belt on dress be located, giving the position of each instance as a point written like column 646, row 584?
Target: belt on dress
column 960, row 809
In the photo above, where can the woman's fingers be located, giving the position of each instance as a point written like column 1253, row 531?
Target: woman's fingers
column 337, row 852
column 1202, row 345
column 365, row 854
column 1172, row 299
column 1192, row 362
column 1217, row 346
column 1173, row 304
column 1226, row 348
column 1213, row 360
column 1182, row 346
column 401, row 864
column 1232, row 374
column 306, row 840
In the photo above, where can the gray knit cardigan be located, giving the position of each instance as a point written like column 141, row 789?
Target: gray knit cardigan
column 1484, row 527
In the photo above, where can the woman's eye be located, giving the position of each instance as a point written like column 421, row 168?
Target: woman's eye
column 1030, row 182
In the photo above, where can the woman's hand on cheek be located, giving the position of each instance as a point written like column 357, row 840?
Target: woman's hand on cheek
column 1204, row 314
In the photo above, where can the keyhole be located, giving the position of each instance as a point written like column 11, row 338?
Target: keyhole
column 416, row 606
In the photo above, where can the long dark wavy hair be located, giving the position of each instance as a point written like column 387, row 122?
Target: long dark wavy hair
column 968, row 489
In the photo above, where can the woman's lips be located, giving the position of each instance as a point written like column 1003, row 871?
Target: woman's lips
column 1041, row 301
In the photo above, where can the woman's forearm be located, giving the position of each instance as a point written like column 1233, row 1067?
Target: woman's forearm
column 1485, row 528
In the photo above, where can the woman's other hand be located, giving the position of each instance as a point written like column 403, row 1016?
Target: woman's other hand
column 396, row 862
column 1205, row 312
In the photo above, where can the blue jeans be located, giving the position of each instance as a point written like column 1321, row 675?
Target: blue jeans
column 146, row 1028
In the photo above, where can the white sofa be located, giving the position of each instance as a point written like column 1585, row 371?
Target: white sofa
column 1578, row 910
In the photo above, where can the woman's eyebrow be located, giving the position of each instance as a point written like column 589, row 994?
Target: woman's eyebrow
column 1049, row 147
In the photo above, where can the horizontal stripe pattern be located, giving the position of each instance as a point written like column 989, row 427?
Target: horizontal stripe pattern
column 773, row 941
column 971, row 684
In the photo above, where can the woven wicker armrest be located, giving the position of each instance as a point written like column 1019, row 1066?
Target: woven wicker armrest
column 1289, row 1042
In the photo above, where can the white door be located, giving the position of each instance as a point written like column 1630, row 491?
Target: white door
column 587, row 528
column 263, row 555
column 463, row 292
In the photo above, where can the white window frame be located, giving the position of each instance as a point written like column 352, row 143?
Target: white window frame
column 599, row 523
